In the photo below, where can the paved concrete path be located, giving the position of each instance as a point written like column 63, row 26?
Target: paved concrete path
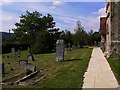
column 99, row 73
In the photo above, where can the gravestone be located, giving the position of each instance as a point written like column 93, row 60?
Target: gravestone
column 30, row 67
column 23, row 62
column 69, row 46
column 73, row 47
column 25, row 66
column 30, row 56
column 28, row 50
column 59, row 50
column 18, row 52
column 13, row 52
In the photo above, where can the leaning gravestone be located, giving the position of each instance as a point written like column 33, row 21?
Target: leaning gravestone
column 30, row 56
column 59, row 50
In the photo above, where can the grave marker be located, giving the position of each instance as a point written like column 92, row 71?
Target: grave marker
column 60, row 50
column 13, row 52
column 69, row 46
column 30, row 56
column 18, row 52
column 30, row 67
column 25, row 66
column 23, row 62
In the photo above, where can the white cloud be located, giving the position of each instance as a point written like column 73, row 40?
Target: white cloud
column 90, row 22
column 57, row 3
column 40, row 8
column 8, row 20
column 68, row 22
column 101, row 12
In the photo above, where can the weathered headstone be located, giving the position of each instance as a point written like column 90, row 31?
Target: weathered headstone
column 30, row 67
column 18, row 52
column 69, row 46
column 25, row 66
column 13, row 52
column 23, row 62
column 28, row 50
column 60, row 50
column 73, row 47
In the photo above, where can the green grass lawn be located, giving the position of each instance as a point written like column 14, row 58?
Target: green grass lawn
column 67, row 74
column 115, row 66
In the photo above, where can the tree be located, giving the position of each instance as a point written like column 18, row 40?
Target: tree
column 67, row 36
column 96, row 38
column 43, row 43
column 30, row 29
column 28, row 26
column 80, row 35
column 90, row 38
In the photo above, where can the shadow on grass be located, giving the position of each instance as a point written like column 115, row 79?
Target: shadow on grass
column 71, row 60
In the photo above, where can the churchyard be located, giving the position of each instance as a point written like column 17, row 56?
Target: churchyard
column 47, row 72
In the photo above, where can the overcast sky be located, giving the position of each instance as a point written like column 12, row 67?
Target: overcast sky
column 65, row 14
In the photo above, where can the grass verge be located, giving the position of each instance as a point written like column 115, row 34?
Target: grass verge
column 115, row 66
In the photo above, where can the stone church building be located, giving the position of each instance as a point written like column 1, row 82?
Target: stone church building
column 110, row 29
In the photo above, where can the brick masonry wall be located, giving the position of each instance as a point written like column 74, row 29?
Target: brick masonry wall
column 115, row 29
column 119, row 27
